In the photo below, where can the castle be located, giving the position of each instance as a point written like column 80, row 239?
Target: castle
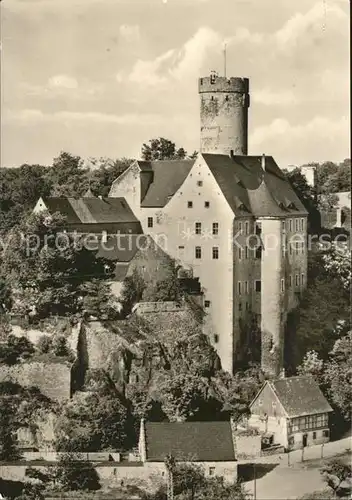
column 232, row 219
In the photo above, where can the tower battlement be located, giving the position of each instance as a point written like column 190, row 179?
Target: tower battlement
column 215, row 83
column 224, row 104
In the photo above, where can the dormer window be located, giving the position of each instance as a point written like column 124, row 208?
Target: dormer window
column 207, row 204
column 200, row 183
column 189, row 204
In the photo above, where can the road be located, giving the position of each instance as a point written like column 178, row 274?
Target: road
column 300, row 478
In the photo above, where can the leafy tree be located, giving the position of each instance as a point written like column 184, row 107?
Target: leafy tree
column 312, row 365
column 132, row 291
column 68, row 176
column 15, row 349
column 53, row 273
column 184, row 396
column 162, row 149
column 323, row 313
column 306, row 194
column 103, row 172
column 333, row 177
column 74, row 474
column 335, row 473
column 188, row 480
column 25, row 404
column 8, row 442
column 20, row 188
column 338, row 375
column 93, row 421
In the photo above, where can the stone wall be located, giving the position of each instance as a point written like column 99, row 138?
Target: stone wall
column 53, row 379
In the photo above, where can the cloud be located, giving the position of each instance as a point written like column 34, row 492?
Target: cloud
column 313, row 140
column 62, row 86
column 130, row 32
column 62, row 82
column 180, row 64
column 269, row 97
column 315, row 21
column 33, row 116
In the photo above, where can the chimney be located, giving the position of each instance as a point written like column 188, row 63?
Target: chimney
column 263, row 162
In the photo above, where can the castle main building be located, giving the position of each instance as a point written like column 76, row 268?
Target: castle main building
column 231, row 218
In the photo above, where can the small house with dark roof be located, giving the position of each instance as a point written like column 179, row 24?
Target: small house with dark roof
column 292, row 412
column 91, row 215
column 209, row 444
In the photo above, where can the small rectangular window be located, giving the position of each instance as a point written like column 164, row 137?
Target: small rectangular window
column 258, row 253
column 283, row 226
column 198, row 228
column 190, row 204
column 150, row 221
column 258, row 285
column 282, row 285
column 198, row 253
column 302, row 279
column 215, row 252
column 302, row 224
column 290, row 281
column 314, row 435
column 291, row 225
column 207, row 303
column 240, row 306
column 247, row 228
column 211, row 471
column 199, row 183
column 215, row 228
column 239, row 253
column 297, row 280
column 246, row 252
column 207, row 204
column 326, row 434
column 246, row 284
column 296, row 224
column 297, row 247
column 239, row 288
column 216, row 338
column 240, row 228
column 258, row 228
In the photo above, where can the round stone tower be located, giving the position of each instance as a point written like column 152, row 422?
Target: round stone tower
column 224, row 104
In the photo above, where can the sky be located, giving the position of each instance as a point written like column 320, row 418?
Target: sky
column 100, row 77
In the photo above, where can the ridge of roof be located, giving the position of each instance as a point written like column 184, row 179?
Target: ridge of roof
column 264, row 193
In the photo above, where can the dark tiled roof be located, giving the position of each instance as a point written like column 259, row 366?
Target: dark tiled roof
column 123, row 247
column 64, row 207
column 168, row 176
column 248, row 189
column 92, row 210
column 300, row 396
column 197, row 441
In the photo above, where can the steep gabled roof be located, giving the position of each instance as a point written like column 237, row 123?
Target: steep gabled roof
column 189, row 441
column 247, row 188
column 91, row 210
column 168, row 176
column 300, row 396
column 64, row 207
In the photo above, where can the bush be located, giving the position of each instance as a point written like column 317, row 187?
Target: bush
column 44, row 344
